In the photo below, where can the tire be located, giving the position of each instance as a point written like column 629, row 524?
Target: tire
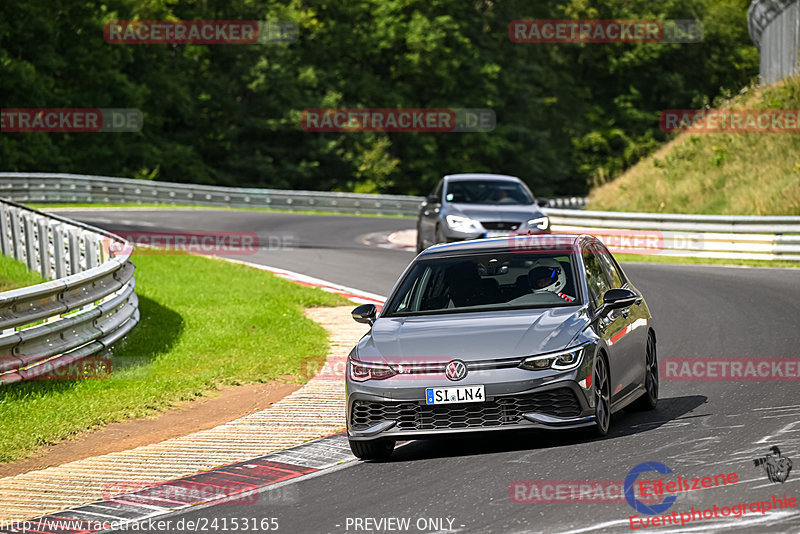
column 438, row 237
column 649, row 400
column 378, row 449
column 602, row 397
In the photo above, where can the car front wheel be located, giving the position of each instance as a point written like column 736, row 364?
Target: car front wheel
column 378, row 449
column 602, row 398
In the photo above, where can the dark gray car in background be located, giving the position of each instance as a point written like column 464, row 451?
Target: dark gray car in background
column 474, row 206
column 527, row 332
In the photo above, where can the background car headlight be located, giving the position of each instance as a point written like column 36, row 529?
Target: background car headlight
column 463, row 224
column 542, row 223
column 562, row 361
column 361, row 371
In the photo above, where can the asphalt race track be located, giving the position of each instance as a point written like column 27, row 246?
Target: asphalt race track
column 701, row 428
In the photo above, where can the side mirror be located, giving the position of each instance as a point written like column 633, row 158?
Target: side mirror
column 366, row 313
column 619, row 298
column 542, row 202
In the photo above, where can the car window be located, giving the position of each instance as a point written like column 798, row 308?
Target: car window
column 488, row 192
column 487, row 281
column 609, row 266
column 597, row 280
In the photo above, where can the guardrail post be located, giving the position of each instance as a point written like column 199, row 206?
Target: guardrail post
column 74, row 252
column 30, row 243
column 59, row 258
column 44, row 249
column 6, row 245
column 91, row 251
column 16, row 235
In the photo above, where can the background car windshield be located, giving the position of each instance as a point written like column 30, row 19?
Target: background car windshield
column 491, row 281
column 487, row 192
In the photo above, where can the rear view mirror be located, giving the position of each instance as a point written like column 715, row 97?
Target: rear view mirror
column 366, row 313
column 542, row 202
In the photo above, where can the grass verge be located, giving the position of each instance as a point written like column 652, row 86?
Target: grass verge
column 655, row 258
column 130, row 205
column 726, row 174
column 14, row 274
column 204, row 323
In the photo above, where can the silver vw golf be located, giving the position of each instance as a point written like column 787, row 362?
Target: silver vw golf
column 536, row 332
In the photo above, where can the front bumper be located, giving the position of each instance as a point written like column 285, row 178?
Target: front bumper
column 452, row 236
column 391, row 408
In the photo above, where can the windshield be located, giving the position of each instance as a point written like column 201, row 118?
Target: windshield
column 487, row 192
column 490, row 281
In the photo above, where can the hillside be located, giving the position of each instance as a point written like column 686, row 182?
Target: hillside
column 714, row 173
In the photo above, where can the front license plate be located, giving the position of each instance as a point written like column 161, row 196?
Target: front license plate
column 497, row 233
column 454, row 395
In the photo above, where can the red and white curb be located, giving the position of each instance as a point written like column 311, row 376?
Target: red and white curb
column 236, row 484
column 400, row 240
column 279, row 438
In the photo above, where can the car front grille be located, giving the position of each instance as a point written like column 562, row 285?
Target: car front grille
column 501, row 411
column 500, row 225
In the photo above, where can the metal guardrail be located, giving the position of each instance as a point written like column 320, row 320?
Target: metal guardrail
column 43, row 188
column 88, row 305
column 765, row 238
column 774, row 27
column 699, row 236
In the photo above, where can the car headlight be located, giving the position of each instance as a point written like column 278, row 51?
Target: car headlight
column 361, row 371
column 542, row 223
column 562, row 361
column 463, row 224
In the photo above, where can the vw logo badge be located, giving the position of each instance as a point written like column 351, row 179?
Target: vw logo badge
column 455, row 370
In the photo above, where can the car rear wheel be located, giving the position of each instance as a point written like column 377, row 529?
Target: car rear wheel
column 378, row 449
column 649, row 400
column 602, row 398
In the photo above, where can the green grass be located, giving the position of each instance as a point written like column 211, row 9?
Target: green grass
column 14, row 274
column 655, row 258
column 204, row 323
column 727, row 174
column 133, row 205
